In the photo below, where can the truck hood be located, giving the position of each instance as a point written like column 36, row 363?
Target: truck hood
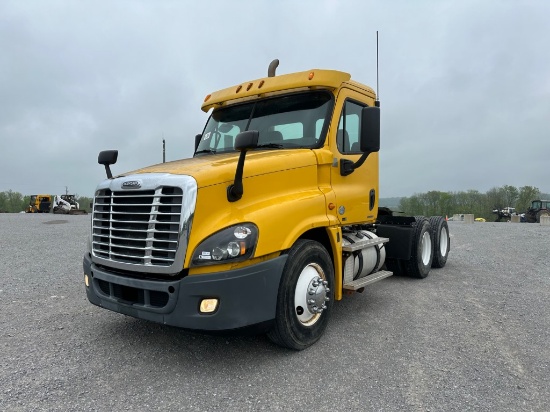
column 210, row 170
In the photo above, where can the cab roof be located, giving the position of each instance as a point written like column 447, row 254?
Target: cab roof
column 315, row 78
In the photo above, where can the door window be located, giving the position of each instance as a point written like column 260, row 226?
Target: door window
column 349, row 127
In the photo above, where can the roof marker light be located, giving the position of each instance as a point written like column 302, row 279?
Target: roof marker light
column 249, row 86
column 238, row 89
column 261, row 84
column 311, row 74
column 207, row 97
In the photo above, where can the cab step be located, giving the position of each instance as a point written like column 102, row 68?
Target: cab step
column 367, row 280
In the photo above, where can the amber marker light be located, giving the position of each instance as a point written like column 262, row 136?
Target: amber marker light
column 331, row 206
column 207, row 97
column 261, row 84
column 249, row 86
column 208, row 305
column 311, row 74
column 238, row 89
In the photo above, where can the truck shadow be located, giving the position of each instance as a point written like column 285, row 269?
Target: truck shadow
column 151, row 342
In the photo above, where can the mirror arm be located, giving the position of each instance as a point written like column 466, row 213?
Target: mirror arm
column 235, row 191
column 347, row 166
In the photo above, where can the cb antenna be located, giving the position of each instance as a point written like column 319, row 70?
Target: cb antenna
column 377, row 101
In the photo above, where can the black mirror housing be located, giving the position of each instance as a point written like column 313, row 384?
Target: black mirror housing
column 197, row 141
column 370, row 129
column 107, row 157
column 247, row 140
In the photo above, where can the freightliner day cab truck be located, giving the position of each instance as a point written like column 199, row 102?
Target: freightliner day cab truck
column 273, row 219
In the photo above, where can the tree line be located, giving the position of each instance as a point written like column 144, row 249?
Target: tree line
column 472, row 201
column 15, row 202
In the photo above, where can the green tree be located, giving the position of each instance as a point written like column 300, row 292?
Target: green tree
column 84, row 202
column 511, row 194
column 526, row 195
column 3, row 202
column 14, row 201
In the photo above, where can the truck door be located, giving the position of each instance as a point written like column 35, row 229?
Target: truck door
column 356, row 193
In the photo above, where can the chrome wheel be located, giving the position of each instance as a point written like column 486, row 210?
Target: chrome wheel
column 311, row 294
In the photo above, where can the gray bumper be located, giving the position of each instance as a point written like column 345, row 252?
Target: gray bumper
column 247, row 296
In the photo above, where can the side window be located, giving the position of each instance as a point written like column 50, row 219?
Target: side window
column 349, row 127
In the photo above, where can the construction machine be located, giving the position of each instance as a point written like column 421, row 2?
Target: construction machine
column 538, row 208
column 39, row 204
column 67, row 205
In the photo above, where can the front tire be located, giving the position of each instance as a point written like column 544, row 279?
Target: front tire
column 305, row 298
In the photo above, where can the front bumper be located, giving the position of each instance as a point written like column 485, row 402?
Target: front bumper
column 247, row 296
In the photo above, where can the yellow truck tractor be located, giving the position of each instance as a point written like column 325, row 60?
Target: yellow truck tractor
column 273, row 220
column 39, row 204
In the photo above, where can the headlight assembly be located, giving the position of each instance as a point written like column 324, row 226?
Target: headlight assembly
column 231, row 244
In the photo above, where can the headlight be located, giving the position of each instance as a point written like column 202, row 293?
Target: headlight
column 232, row 244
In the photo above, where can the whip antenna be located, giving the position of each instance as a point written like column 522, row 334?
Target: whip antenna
column 377, row 101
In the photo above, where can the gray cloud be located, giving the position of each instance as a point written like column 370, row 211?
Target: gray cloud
column 465, row 86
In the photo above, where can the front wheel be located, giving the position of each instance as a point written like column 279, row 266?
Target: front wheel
column 305, row 298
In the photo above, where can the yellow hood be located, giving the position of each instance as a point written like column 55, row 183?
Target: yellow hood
column 210, row 170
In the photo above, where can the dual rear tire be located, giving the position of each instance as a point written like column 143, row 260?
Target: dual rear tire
column 429, row 248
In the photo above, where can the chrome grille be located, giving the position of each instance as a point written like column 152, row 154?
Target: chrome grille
column 137, row 227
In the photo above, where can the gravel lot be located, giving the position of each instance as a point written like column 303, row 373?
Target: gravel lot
column 472, row 336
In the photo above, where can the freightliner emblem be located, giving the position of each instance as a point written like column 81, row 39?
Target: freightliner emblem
column 131, row 184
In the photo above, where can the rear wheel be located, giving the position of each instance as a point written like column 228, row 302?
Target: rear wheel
column 420, row 262
column 440, row 240
column 305, row 298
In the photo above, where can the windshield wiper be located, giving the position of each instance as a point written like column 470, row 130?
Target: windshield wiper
column 206, row 151
column 270, row 146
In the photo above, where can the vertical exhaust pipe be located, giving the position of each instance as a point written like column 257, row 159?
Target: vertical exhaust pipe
column 272, row 67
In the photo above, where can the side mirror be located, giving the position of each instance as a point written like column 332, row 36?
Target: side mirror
column 369, row 141
column 107, row 158
column 247, row 140
column 197, row 141
column 370, row 129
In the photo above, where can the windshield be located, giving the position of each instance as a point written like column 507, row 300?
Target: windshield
column 290, row 121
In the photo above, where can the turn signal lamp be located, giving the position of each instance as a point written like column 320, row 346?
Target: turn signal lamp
column 208, row 305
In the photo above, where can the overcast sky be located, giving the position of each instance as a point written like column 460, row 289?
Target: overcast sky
column 464, row 85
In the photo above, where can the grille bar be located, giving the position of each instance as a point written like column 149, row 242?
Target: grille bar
column 139, row 227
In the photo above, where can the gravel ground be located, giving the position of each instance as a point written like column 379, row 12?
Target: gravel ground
column 473, row 336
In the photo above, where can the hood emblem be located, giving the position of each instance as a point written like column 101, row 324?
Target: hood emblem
column 131, row 184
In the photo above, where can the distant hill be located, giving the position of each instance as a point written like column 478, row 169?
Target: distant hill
column 391, row 202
